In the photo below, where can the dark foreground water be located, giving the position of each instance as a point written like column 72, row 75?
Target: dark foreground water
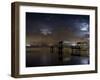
column 34, row 58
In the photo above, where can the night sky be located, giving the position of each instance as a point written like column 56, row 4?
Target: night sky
column 68, row 27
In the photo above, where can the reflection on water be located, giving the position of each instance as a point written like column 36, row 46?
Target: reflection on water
column 74, row 60
column 46, row 57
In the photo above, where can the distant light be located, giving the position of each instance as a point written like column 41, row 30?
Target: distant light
column 70, row 43
column 73, row 44
column 28, row 45
column 65, row 42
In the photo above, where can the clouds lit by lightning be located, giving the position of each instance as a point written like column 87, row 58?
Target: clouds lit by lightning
column 45, row 31
column 84, row 27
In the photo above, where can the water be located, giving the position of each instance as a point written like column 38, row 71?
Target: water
column 44, row 57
